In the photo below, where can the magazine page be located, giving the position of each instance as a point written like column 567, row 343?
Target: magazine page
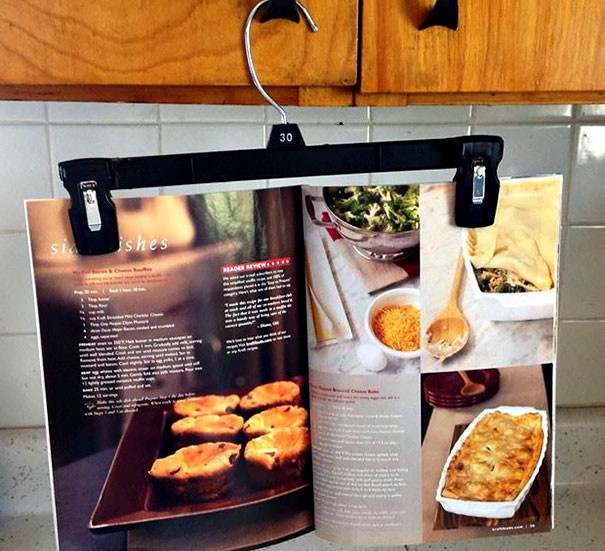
column 431, row 357
column 168, row 363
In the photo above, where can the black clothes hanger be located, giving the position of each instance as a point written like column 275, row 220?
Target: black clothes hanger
column 89, row 182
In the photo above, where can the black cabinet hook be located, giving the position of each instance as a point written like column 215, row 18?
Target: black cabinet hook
column 281, row 9
column 443, row 14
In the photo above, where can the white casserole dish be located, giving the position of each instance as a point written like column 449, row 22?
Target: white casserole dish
column 509, row 306
column 491, row 509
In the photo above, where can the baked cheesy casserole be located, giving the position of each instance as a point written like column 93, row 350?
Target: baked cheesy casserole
column 497, row 458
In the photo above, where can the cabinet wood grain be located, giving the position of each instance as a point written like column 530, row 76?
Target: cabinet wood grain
column 223, row 95
column 510, row 46
column 477, row 98
column 163, row 43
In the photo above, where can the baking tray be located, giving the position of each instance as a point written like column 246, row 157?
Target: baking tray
column 130, row 498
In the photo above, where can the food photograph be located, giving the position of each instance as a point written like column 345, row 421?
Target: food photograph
column 155, row 373
column 489, row 293
column 486, row 452
column 362, row 273
column 207, row 454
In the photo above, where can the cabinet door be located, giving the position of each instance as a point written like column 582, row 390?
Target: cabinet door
column 167, row 42
column 500, row 46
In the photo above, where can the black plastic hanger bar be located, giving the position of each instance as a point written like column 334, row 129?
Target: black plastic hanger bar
column 90, row 181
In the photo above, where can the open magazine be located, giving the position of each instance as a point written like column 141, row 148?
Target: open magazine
column 254, row 364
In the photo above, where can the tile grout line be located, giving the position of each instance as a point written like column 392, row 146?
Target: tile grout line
column 356, row 122
column 371, row 128
column 583, row 320
column 161, row 189
column 570, row 173
column 48, row 148
column 153, row 122
column 9, row 122
column 534, row 122
column 587, row 226
column 596, row 121
column 264, row 126
column 50, row 126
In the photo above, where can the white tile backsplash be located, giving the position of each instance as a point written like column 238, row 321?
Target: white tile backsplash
column 22, row 111
column 382, row 132
column 212, row 113
column 581, row 362
column 520, row 113
column 35, row 136
column 24, row 171
column 320, row 134
column 102, row 113
column 98, row 140
column 323, row 115
column 21, row 401
column 582, row 269
column 589, row 111
column 16, row 297
column 433, row 114
column 587, row 193
column 190, row 138
column 532, row 149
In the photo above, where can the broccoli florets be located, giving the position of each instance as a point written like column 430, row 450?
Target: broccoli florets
column 380, row 208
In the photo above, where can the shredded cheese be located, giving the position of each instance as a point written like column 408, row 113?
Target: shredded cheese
column 398, row 327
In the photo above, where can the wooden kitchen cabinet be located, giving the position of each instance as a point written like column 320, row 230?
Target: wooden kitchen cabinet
column 517, row 50
column 191, row 51
column 114, row 49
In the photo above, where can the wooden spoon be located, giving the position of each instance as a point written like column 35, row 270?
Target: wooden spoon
column 448, row 334
column 470, row 388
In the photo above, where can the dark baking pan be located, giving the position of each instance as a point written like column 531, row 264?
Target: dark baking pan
column 129, row 497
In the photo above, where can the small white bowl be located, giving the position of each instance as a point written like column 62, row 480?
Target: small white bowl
column 394, row 297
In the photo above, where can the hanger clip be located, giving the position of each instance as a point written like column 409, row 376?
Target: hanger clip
column 92, row 213
column 477, row 184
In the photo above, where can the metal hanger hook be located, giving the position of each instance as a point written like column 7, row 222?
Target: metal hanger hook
column 251, row 68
